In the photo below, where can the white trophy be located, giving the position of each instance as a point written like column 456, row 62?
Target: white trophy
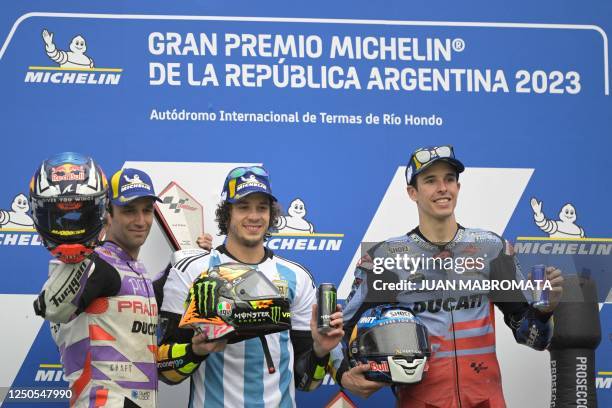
column 181, row 217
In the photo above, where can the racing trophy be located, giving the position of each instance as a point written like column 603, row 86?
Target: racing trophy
column 181, row 217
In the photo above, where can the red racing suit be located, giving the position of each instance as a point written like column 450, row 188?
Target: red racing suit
column 463, row 369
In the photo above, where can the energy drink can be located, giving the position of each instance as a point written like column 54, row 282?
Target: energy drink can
column 326, row 301
column 540, row 295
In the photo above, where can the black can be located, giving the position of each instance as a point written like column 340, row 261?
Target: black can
column 326, row 300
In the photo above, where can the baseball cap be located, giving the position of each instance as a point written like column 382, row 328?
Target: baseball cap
column 242, row 181
column 129, row 184
column 425, row 156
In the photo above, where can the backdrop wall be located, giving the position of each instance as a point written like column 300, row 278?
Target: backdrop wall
column 331, row 98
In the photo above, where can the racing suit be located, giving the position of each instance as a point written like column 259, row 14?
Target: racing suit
column 104, row 321
column 237, row 376
column 463, row 369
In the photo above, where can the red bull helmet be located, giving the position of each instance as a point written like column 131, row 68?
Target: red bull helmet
column 236, row 302
column 68, row 197
column 393, row 342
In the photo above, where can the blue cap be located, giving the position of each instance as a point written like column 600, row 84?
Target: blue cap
column 426, row 156
column 129, row 184
column 242, row 181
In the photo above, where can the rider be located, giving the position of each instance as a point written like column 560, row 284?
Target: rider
column 99, row 299
column 463, row 368
column 235, row 374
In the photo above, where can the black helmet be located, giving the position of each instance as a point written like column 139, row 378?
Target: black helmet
column 68, row 197
column 235, row 301
column 393, row 342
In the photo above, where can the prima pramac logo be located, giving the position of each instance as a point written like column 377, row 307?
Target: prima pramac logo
column 73, row 65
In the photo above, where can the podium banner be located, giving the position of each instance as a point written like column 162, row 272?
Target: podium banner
column 331, row 97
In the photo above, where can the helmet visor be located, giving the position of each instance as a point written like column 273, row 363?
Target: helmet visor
column 69, row 219
column 402, row 338
column 256, row 286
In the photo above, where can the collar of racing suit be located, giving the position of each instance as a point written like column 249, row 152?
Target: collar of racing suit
column 267, row 254
column 117, row 250
column 417, row 236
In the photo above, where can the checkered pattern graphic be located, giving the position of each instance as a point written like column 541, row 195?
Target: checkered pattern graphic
column 175, row 203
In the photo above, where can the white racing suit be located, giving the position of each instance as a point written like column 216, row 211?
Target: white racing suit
column 104, row 321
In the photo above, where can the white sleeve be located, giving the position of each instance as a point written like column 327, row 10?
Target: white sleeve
column 59, row 298
column 176, row 290
column 305, row 297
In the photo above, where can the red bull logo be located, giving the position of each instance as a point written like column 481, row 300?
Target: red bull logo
column 68, row 172
column 70, row 206
column 382, row 366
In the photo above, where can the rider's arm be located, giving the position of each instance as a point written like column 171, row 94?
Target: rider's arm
column 71, row 288
column 176, row 360
column 356, row 304
column 309, row 370
column 529, row 326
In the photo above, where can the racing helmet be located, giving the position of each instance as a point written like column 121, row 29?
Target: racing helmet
column 68, row 198
column 236, row 302
column 393, row 342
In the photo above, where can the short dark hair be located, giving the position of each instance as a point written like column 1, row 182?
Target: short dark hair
column 222, row 217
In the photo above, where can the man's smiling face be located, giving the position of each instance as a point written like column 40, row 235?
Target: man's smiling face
column 436, row 191
column 249, row 220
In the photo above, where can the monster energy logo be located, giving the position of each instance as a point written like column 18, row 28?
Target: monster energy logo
column 275, row 313
column 330, row 301
column 202, row 295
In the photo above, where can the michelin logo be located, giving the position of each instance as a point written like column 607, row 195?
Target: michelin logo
column 564, row 227
column 69, row 63
column 75, row 58
column 134, row 182
column 603, row 382
column 561, row 233
column 18, row 216
column 563, row 248
column 295, row 232
column 16, row 225
column 294, row 220
column 50, row 373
